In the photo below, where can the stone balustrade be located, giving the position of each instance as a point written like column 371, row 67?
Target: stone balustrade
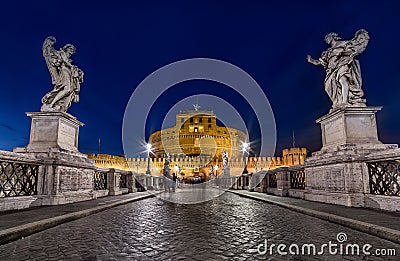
column 379, row 181
column 27, row 180
column 19, row 176
column 284, row 181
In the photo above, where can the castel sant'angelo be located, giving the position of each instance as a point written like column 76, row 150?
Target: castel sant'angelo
column 195, row 145
column 196, row 134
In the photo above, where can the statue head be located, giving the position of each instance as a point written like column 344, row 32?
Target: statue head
column 362, row 34
column 331, row 37
column 50, row 39
column 69, row 49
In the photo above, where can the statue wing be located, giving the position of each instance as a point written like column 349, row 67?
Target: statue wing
column 360, row 41
column 51, row 57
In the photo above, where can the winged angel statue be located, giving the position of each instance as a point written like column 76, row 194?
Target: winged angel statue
column 343, row 75
column 65, row 77
column 225, row 158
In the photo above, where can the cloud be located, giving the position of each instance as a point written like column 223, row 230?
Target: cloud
column 8, row 127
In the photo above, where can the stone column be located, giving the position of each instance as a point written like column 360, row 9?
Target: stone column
column 156, row 183
column 113, row 178
column 131, row 183
column 242, row 181
column 148, row 182
column 234, row 182
column 283, row 182
column 264, row 183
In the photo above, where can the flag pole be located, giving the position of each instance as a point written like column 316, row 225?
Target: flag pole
column 99, row 144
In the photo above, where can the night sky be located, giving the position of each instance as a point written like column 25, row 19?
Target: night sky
column 119, row 43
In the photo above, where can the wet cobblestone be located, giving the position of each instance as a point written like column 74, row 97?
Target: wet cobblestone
column 226, row 228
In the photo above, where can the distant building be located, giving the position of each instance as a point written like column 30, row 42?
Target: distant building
column 195, row 144
column 109, row 161
column 294, row 156
column 196, row 133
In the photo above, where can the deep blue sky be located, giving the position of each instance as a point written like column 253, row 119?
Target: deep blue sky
column 120, row 43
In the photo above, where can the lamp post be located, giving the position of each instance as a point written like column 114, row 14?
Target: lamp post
column 216, row 174
column 148, row 149
column 178, row 175
column 178, row 170
column 245, row 150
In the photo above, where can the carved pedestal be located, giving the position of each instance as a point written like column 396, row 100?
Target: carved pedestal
column 352, row 125
column 53, row 131
column 65, row 174
column 337, row 174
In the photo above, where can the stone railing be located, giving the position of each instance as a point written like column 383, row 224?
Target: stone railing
column 384, row 177
column 100, row 182
column 100, row 179
column 381, row 176
column 18, row 175
column 272, row 179
column 284, row 181
column 116, row 182
column 378, row 185
column 297, row 178
column 27, row 180
column 19, row 180
column 123, row 180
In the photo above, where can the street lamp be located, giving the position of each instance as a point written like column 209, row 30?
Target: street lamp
column 148, row 149
column 178, row 170
column 245, row 150
column 178, row 174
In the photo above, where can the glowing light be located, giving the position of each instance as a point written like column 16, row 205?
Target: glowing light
column 148, row 147
column 245, row 147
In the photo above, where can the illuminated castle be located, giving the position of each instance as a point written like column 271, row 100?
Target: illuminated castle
column 196, row 133
column 192, row 167
column 195, row 145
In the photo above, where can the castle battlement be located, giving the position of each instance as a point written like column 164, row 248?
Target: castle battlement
column 200, row 166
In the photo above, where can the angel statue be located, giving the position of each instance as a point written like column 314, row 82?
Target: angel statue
column 224, row 159
column 211, row 171
column 65, row 77
column 167, row 158
column 343, row 75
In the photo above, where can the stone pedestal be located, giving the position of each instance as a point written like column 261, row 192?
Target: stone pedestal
column 352, row 125
column 226, row 171
column 52, row 132
column 65, row 174
column 337, row 174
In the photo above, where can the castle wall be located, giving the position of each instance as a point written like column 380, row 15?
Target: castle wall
column 200, row 166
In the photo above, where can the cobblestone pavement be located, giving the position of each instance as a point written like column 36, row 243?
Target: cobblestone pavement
column 227, row 228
